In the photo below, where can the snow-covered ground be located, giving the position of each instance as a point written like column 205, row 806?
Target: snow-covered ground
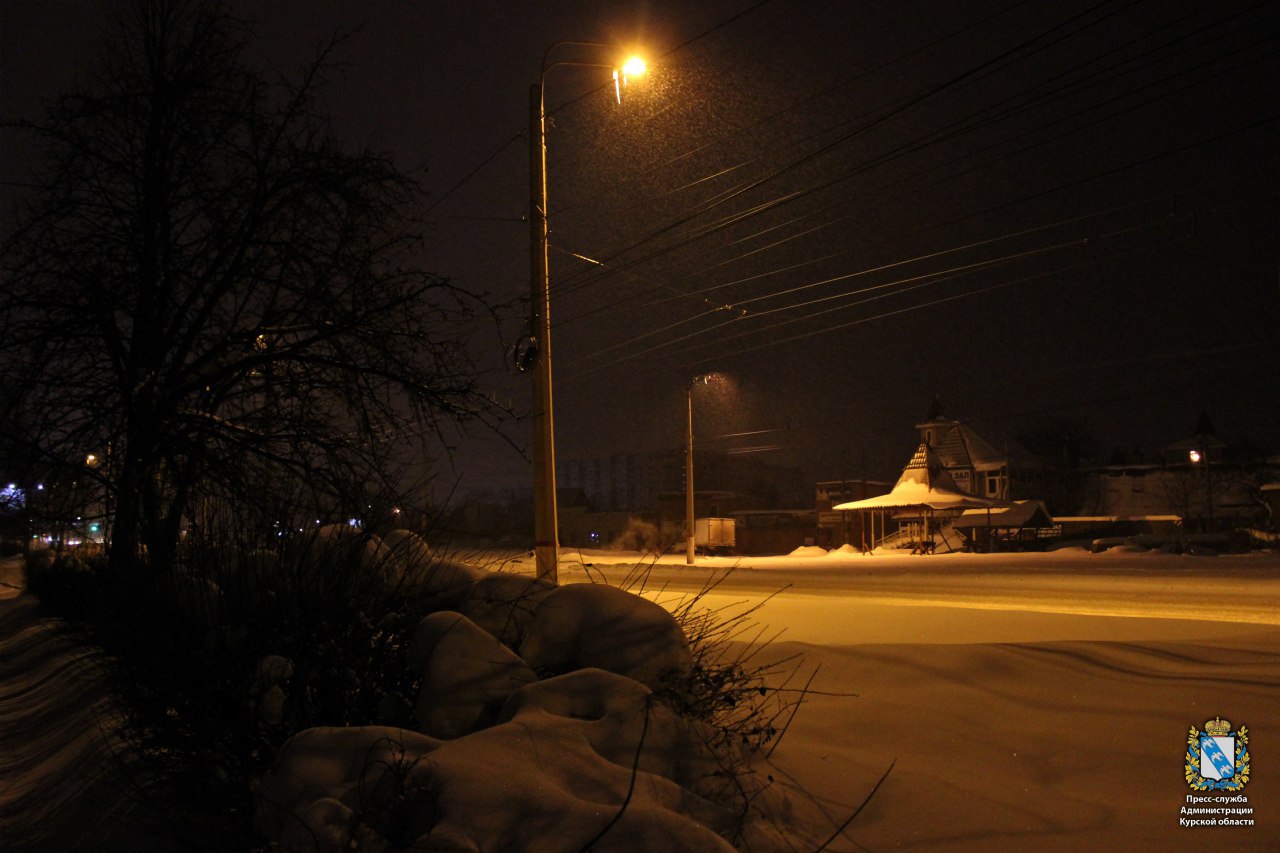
column 1023, row 702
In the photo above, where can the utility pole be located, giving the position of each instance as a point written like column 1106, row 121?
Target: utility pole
column 546, row 542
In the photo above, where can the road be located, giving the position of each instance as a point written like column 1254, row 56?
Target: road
column 967, row 597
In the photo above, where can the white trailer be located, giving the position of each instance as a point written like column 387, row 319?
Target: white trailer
column 713, row 535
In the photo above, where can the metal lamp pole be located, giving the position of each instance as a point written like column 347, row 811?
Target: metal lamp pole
column 1202, row 457
column 690, row 542
column 545, row 515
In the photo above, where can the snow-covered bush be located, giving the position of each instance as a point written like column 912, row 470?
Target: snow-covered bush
column 584, row 762
column 594, row 625
column 609, row 731
column 503, row 604
column 408, row 564
column 578, row 716
column 235, row 650
column 467, row 675
column 67, row 580
column 745, row 698
column 336, row 550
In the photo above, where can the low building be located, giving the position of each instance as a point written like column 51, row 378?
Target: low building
column 1207, row 483
column 777, row 531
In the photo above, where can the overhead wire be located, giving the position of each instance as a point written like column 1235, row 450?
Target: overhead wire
column 695, row 39
column 989, row 116
column 630, row 356
column 897, row 108
column 523, row 133
column 906, row 147
column 795, row 105
column 1093, row 177
column 912, row 283
column 870, row 270
column 830, row 222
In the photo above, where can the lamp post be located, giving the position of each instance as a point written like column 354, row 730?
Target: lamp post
column 545, row 516
column 690, row 542
column 1198, row 456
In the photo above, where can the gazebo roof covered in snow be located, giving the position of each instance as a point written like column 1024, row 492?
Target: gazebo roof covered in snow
column 924, row 484
column 1019, row 514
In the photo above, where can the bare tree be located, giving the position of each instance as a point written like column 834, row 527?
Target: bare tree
column 212, row 297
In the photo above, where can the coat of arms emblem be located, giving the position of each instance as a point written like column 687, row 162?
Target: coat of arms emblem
column 1217, row 759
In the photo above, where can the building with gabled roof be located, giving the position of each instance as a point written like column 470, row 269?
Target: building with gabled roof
column 973, row 462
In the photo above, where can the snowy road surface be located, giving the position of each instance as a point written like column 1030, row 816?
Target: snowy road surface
column 817, row 598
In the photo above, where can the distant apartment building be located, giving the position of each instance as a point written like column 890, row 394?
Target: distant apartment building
column 623, row 482
column 635, row 482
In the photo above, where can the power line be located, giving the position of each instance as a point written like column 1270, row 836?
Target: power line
column 523, row 134
column 881, row 116
column 1090, row 178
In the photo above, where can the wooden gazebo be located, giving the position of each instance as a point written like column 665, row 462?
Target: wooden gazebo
column 926, row 487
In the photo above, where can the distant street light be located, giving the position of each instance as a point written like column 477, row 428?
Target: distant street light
column 1197, row 457
column 691, row 543
column 545, row 516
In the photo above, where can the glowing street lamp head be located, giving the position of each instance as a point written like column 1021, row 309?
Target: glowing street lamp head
column 633, row 67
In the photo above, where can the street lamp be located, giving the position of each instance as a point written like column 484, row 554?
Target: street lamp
column 1197, row 456
column 545, row 519
column 690, row 543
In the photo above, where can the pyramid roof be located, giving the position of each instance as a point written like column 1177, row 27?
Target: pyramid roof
column 924, row 483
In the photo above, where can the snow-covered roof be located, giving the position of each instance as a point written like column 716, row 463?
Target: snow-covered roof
column 1019, row 514
column 960, row 446
column 924, row 483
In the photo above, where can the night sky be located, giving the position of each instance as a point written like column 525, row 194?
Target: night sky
column 842, row 208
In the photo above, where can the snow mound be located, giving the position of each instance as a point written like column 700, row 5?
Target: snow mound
column 270, row 677
column 467, row 674
column 333, row 546
column 844, row 551
column 617, row 713
column 594, row 625
column 503, row 604
column 409, row 562
column 809, row 551
column 588, row 758
column 307, row 800
column 544, row 775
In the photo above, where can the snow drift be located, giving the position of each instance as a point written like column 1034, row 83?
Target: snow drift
column 540, row 724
